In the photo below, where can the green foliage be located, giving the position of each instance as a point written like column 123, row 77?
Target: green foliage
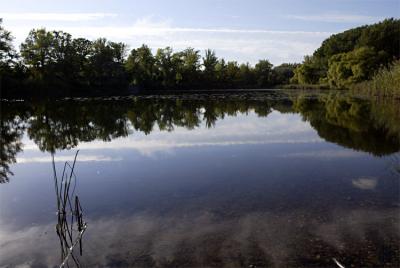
column 263, row 70
column 39, row 52
column 7, row 52
column 184, row 70
column 189, row 67
column 210, row 62
column 384, row 36
column 307, row 73
column 167, row 68
column 351, row 56
column 56, row 58
column 283, row 73
column 352, row 67
column 232, row 73
column 106, row 63
column 12, row 71
column 140, row 67
column 385, row 83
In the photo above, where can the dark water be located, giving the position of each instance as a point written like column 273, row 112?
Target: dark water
column 247, row 180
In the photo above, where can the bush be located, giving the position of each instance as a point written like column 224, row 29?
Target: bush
column 385, row 83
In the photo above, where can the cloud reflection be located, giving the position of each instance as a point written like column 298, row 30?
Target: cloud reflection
column 365, row 183
column 82, row 158
column 325, row 154
column 204, row 238
column 233, row 130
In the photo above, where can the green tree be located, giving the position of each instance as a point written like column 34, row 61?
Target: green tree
column 232, row 72
column 80, row 60
column 309, row 72
column 167, row 68
column 140, row 67
column 263, row 70
column 62, row 55
column 220, row 73
column 246, row 76
column 12, row 72
column 7, row 52
column 355, row 66
column 55, row 56
column 37, row 53
column 382, row 36
column 282, row 74
column 189, row 67
column 107, row 64
column 210, row 61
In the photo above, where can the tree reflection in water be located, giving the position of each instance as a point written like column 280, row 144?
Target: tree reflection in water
column 364, row 125
column 11, row 132
column 394, row 164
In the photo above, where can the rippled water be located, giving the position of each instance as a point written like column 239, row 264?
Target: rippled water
column 245, row 180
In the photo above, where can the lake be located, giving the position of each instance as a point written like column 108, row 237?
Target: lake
column 262, row 179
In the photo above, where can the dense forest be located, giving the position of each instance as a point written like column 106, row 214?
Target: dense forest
column 53, row 63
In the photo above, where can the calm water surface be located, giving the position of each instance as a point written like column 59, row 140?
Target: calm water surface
column 246, row 180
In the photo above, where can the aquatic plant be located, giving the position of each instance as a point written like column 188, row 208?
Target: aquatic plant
column 70, row 226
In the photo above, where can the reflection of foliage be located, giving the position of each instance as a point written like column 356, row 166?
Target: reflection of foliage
column 350, row 122
column 360, row 124
column 170, row 112
column 11, row 130
column 63, row 124
column 386, row 113
column 394, row 164
column 55, row 126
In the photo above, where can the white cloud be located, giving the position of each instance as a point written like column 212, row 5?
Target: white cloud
column 55, row 16
column 142, row 26
column 151, row 27
column 333, row 17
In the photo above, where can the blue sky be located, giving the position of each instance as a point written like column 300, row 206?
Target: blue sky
column 278, row 30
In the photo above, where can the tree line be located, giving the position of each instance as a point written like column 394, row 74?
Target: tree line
column 53, row 63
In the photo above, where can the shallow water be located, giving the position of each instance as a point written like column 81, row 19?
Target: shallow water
column 247, row 180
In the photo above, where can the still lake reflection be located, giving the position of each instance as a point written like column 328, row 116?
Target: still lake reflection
column 247, row 180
